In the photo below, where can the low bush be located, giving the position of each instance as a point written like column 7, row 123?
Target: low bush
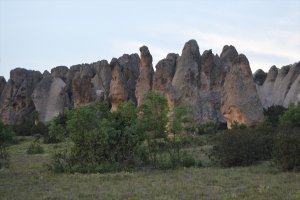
column 35, row 147
column 286, row 152
column 273, row 113
column 6, row 138
column 291, row 118
column 242, row 147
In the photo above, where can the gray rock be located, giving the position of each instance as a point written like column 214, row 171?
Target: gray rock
column 50, row 97
column 101, row 80
column 165, row 70
column 15, row 102
column 60, row 72
column 130, row 69
column 265, row 91
column 2, row 84
column 259, row 77
column 186, row 81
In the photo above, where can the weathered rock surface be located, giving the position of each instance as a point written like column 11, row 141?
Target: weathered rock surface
column 118, row 85
column 162, row 80
column 15, row 101
column 216, row 88
column 280, row 86
column 49, row 97
column 101, row 80
column 212, row 80
column 130, row 69
column 145, row 80
column 240, row 101
column 2, row 84
column 259, row 77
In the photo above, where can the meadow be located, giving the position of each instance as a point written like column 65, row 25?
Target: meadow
column 29, row 178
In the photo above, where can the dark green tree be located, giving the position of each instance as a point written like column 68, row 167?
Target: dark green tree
column 6, row 137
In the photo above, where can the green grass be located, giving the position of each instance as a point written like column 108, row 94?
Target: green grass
column 28, row 178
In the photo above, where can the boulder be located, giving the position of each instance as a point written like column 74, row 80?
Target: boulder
column 145, row 80
column 60, row 72
column 240, row 101
column 259, row 77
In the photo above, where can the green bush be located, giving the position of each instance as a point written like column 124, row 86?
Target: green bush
column 35, row 147
column 286, row 152
column 273, row 113
column 291, row 118
column 6, row 137
column 242, row 147
column 127, row 138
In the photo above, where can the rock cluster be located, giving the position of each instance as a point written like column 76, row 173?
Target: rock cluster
column 217, row 88
column 281, row 86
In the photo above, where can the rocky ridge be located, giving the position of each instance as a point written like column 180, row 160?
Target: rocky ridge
column 217, row 88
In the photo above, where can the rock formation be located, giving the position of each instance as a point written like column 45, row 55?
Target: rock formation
column 240, row 101
column 16, row 101
column 2, row 84
column 130, row 69
column 216, row 88
column 144, row 82
column 162, row 80
column 281, row 87
column 118, row 85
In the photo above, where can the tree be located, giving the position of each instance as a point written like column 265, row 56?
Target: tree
column 153, row 115
column 291, row 117
column 273, row 114
column 6, row 137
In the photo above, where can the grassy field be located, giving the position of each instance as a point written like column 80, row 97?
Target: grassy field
column 28, row 178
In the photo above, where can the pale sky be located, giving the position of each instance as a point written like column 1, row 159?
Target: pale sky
column 42, row 34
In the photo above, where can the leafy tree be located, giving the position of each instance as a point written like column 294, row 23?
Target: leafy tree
column 291, row 117
column 153, row 115
column 273, row 114
column 6, row 137
column 153, row 121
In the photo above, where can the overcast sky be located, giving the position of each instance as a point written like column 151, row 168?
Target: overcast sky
column 43, row 34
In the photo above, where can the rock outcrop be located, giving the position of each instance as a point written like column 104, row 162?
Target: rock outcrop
column 118, row 85
column 240, row 101
column 281, row 87
column 2, row 84
column 217, row 88
column 130, row 69
column 145, row 80
column 50, row 97
column 16, row 101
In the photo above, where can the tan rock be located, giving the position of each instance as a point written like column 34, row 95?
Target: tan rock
column 118, row 87
column 145, row 80
column 240, row 101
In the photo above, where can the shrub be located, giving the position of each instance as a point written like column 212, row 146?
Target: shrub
column 237, row 125
column 35, row 147
column 6, row 137
column 273, row 113
column 291, row 117
column 128, row 138
column 242, row 147
column 286, row 153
